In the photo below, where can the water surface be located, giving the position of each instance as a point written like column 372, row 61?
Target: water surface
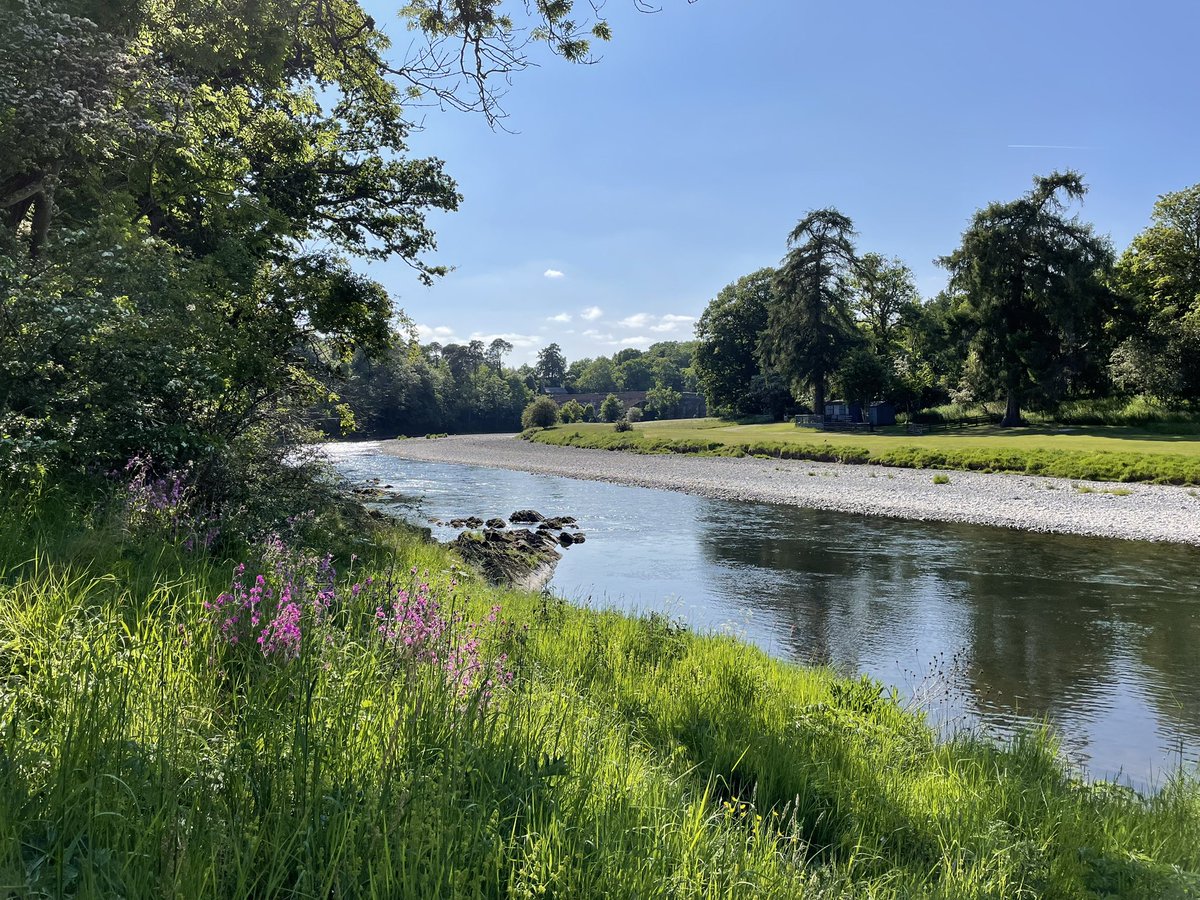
column 988, row 628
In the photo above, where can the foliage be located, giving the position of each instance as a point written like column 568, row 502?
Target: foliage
column 540, row 413
column 1160, row 274
column 662, row 401
column 862, row 376
column 551, row 368
column 728, row 364
column 634, row 414
column 809, row 324
column 155, row 759
column 611, row 409
column 571, row 411
column 623, row 425
column 1032, row 281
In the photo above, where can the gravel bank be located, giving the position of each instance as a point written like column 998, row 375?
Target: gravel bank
column 1148, row 512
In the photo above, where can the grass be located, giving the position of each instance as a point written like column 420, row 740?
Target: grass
column 142, row 757
column 1093, row 453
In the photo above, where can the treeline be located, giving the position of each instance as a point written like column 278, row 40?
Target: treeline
column 416, row 389
column 1038, row 310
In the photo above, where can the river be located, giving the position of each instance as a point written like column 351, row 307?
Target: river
column 986, row 628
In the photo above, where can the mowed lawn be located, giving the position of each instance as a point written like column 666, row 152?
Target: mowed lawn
column 1099, row 453
column 1085, row 439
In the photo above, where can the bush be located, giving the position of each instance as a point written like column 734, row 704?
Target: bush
column 634, row 414
column 589, row 413
column 541, row 413
column 612, row 408
column 623, row 425
column 571, row 411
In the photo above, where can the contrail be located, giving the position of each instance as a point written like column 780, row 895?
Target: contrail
column 1048, row 147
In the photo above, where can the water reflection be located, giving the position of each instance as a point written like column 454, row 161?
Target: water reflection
column 1097, row 636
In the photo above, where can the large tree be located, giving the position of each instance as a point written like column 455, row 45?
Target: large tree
column 884, row 296
column 551, row 366
column 183, row 189
column 1160, row 275
column 809, row 324
column 727, row 358
column 1033, row 278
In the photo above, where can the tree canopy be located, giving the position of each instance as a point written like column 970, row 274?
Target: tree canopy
column 1032, row 279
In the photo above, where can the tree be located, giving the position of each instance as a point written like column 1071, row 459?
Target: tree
column 727, row 360
column 597, row 377
column 809, row 326
column 862, row 376
column 551, row 366
column 1160, row 275
column 634, row 373
column 611, row 409
column 1032, row 280
column 496, row 351
column 571, row 411
column 541, row 413
column 662, row 401
column 883, row 297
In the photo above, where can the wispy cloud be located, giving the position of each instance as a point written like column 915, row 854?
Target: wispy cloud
column 561, row 317
column 658, row 324
column 591, row 314
column 553, row 273
column 519, row 341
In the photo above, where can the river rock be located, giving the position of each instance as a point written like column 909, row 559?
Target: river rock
column 526, row 515
column 496, row 524
column 565, row 539
column 520, row 558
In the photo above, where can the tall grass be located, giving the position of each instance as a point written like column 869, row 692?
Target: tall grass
column 141, row 755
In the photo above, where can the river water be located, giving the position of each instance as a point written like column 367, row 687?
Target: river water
column 986, row 628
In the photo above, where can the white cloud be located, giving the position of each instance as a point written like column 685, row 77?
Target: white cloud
column 597, row 335
column 519, row 341
column 634, row 341
column 591, row 314
column 561, row 317
column 669, row 322
column 553, row 273
column 443, row 334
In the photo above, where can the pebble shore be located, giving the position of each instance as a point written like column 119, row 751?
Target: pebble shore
column 1148, row 512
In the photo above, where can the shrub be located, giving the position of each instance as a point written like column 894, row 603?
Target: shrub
column 941, row 479
column 634, row 414
column 589, row 413
column 623, row 425
column 541, row 413
column 571, row 411
column 612, row 408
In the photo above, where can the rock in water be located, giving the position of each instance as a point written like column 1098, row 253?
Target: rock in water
column 496, row 524
column 520, row 558
column 526, row 515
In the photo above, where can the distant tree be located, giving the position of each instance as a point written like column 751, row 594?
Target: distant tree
column 862, row 376
column 551, row 366
column 597, row 377
column 1032, row 280
column 634, row 373
column 571, row 411
column 1160, row 275
column 589, row 412
column 612, row 408
column 541, row 413
column 884, row 295
column 634, row 414
column 662, row 401
column 727, row 360
column 809, row 325
column 496, row 351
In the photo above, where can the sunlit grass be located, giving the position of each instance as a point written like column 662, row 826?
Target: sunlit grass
column 1100, row 453
column 630, row 758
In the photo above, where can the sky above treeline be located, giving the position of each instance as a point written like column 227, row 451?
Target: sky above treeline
column 627, row 193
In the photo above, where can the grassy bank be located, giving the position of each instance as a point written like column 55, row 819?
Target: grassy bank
column 1097, row 453
column 456, row 740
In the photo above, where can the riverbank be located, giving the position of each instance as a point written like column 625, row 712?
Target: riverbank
column 474, row 742
column 1032, row 503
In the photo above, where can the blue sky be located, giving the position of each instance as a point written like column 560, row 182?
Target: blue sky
column 636, row 188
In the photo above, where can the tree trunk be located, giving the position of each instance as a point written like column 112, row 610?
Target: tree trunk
column 819, row 396
column 1012, row 412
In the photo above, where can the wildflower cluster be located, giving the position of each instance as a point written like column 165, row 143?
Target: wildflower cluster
column 163, row 504
column 414, row 625
column 293, row 593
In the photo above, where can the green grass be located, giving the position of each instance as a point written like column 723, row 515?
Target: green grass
column 1094, row 453
column 139, row 757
